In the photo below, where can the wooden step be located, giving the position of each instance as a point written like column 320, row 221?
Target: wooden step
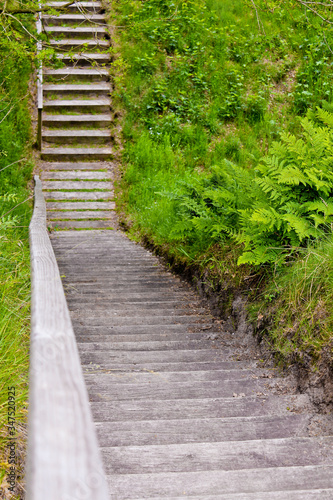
column 77, row 6
column 68, row 153
column 81, row 205
column 77, row 43
column 94, row 31
column 85, row 59
column 76, row 185
column 82, row 224
column 75, row 19
column 101, row 105
column 271, row 495
column 205, row 408
column 68, row 136
column 75, row 175
column 164, row 485
column 78, row 195
column 222, row 456
column 77, row 121
column 79, row 215
column 74, row 165
column 70, row 74
column 124, row 437
column 65, row 89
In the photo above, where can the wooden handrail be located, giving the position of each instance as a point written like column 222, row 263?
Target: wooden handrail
column 63, row 459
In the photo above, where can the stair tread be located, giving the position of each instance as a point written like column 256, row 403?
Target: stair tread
column 161, row 485
column 78, row 195
column 76, row 133
column 87, row 214
column 76, row 71
column 79, row 205
column 77, row 87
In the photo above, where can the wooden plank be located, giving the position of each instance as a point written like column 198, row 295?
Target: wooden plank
column 75, row 185
column 75, row 175
column 223, row 456
column 73, row 165
column 87, row 214
column 249, row 406
column 82, row 224
column 272, row 495
column 179, row 431
column 163, row 485
column 151, row 377
column 63, row 455
column 86, row 336
column 81, row 205
column 78, row 195
column 199, row 390
column 166, row 345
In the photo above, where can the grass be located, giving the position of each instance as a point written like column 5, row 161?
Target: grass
column 196, row 85
column 15, row 214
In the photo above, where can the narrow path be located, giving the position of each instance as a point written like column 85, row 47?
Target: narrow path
column 178, row 415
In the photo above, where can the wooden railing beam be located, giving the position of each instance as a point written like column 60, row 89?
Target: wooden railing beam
column 63, row 459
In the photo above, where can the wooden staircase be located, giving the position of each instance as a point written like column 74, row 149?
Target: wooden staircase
column 178, row 414
column 76, row 120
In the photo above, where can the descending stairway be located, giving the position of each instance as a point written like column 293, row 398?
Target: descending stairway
column 177, row 414
column 76, row 136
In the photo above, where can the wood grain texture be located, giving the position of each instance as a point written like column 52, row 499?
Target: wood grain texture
column 75, row 185
column 80, row 205
column 223, row 456
column 78, row 195
column 86, row 214
column 75, row 174
column 63, row 456
column 82, row 224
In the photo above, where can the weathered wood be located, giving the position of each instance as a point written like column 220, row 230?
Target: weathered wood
column 177, row 390
column 184, row 345
column 86, row 214
column 63, row 456
column 272, row 495
column 93, row 185
column 179, row 431
column 82, row 19
column 76, row 31
column 81, row 136
column 68, row 153
column 74, row 165
column 82, row 224
column 76, row 43
column 78, row 195
column 163, row 485
column 76, row 175
column 223, row 456
column 152, row 377
column 249, row 406
column 80, row 205
column 79, row 120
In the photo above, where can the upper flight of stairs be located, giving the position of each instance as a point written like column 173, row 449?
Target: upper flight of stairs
column 76, row 122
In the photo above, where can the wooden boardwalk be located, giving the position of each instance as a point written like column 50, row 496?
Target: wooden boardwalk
column 177, row 416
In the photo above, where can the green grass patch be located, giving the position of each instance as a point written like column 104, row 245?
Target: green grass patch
column 224, row 146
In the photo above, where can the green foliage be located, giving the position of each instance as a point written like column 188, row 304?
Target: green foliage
column 282, row 204
column 17, row 55
column 215, row 153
